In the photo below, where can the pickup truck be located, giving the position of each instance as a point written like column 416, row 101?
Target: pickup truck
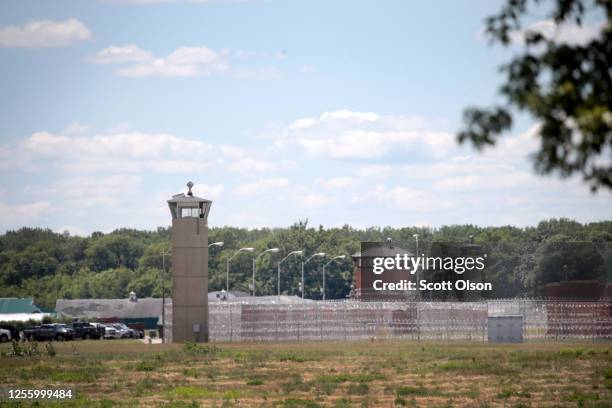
column 86, row 330
column 54, row 331
column 12, row 329
column 5, row 335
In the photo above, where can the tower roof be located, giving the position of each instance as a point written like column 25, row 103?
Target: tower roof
column 186, row 199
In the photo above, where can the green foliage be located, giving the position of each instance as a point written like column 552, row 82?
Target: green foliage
column 193, row 349
column 27, row 349
column 566, row 87
column 45, row 265
column 50, row 349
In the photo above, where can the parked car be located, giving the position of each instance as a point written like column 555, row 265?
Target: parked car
column 101, row 328
column 54, row 331
column 111, row 333
column 85, row 330
column 124, row 331
column 5, row 335
column 12, row 329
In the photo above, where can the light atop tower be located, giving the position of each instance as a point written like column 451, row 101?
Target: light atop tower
column 189, row 206
column 189, row 186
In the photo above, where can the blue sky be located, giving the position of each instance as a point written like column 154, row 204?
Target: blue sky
column 332, row 111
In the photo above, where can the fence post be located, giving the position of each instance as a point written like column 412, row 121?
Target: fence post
column 418, row 325
column 231, row 323
column 320, row 322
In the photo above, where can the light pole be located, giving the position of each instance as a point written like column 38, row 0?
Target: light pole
column 248, row 249
column 272, row 250
column 163, row 290
column 304, row 263
column 279, row 270
column 217, row 244
column 325, row 266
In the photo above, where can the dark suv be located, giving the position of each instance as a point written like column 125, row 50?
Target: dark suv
column 86, row 330
column 54, row 331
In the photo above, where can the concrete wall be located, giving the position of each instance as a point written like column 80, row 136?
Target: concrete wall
column 189, row 279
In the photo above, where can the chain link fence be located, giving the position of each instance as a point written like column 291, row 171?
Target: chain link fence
column 543, row 320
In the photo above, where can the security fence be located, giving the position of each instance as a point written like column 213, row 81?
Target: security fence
column 418, row 320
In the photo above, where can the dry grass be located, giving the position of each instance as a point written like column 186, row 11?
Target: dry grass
column 379, row 374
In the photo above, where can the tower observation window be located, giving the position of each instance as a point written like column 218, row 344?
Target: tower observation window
column 190, row 212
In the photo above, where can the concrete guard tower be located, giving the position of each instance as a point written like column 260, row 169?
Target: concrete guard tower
column 189, row 267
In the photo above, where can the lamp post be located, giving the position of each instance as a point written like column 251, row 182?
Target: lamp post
column 325, row 266
column 304, row 263
column 272, row 250
column 248, row 249
column 279, row 270
column 163, row 290
column 217, row 244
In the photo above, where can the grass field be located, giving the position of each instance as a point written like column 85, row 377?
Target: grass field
column 362, row 374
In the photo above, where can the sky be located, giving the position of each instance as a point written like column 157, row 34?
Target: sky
column 336, row 112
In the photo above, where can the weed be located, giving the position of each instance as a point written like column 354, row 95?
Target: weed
column 187, row 391
column 50, row 349
column 191, row 348
column 145, row 365
column 358, row 389
column 340, row 378
column 299, row 403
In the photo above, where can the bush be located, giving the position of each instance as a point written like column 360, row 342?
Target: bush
column 50, row 349
column 192, row 348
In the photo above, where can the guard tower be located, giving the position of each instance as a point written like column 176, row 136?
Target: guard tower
column 189, row 267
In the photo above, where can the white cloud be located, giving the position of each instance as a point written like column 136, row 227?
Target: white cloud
column 312, row 200
column 346, row 134
column 182, row 62
column 90, row 191
column 567, row 33
column 22, row 214
column 406, row 198
column 44, row 33
column 262, row 185
column 249, row 165
column 340, row 182
column 76, row 128
column 490, row 180
column 133, row 144
column 134, row 61
column 125, row 152
column 209, row 191
column 121, row 54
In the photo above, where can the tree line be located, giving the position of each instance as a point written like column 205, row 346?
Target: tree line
column 46, row 265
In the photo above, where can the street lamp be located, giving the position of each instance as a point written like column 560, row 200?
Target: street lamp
column 279, row 269
column 304, row 263
column 217, row 244
column 227, row 265
column 272, row 250
column 163, row 290
column 325, row 266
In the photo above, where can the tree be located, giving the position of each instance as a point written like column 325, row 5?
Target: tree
column 113, row 251
column 567, row 88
